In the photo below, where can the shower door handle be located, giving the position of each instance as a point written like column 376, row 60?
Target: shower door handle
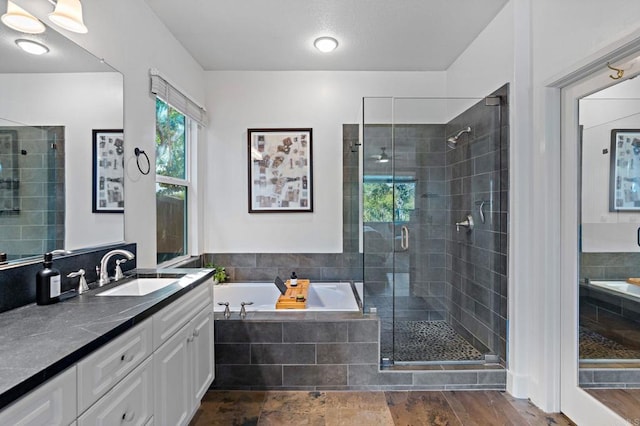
column 404, row 238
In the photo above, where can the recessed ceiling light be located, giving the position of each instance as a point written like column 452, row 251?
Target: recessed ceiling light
column 325, row 44
column 31, row 46
column 20, row 20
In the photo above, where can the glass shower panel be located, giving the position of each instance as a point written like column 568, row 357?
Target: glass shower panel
column 436, row 205
column 378, row 230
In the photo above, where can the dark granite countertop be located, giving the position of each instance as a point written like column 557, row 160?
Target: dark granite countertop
column 38, row 342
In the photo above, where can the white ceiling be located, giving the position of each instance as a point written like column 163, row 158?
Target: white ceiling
column 374, row 35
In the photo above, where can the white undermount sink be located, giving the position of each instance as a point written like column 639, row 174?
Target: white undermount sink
column 139, row 287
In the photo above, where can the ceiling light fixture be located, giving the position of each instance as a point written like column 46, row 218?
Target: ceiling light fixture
column 68, row 15
column 325, row 44
column 20, row 20
column 32, row 47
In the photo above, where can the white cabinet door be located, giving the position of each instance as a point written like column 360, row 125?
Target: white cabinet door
column 53, row 403
column 130, row 402
column 100, row 371
column 173, row 317
column 202, row 349
column 172, row 371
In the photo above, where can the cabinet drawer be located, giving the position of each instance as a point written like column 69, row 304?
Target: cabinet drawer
column 176, row 315
column 53, row 403
column 130, row 402
column 104, row 368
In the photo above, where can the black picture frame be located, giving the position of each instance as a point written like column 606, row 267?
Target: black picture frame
column 624, row 178
column 280, row 170
column 108, row 171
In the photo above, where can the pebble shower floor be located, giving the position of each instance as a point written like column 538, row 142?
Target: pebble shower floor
column 431, row 341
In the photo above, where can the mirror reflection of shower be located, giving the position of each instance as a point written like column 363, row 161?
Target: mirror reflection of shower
column 452, row 141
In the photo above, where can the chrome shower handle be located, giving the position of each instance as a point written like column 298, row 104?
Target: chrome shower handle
column 404, row 238
column 467, row 223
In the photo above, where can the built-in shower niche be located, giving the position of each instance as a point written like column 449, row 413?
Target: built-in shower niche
column 441, row 294
column 32, row 197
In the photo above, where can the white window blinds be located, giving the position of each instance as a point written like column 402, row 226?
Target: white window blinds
column 174, row 97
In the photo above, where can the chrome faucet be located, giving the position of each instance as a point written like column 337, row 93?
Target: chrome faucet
column 243, row 311
column 82, row 284
column 104, row 273
column 227, row 312
column 119, row 275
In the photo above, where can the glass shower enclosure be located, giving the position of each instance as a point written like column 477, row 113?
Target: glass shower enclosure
column 434, row 226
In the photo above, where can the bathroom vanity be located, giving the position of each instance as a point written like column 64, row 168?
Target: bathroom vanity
column 123, row 359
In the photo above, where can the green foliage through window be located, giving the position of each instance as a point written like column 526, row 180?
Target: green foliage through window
column 170, row 141
column 382, row 205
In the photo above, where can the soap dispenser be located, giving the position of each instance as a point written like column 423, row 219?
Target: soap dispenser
column 48, row 283
column 294, row 280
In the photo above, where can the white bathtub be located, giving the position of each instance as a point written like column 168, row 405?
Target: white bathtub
column 334, row 296
column 621, row 287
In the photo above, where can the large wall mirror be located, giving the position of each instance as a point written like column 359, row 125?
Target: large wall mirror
column 610, row 237
column 50, row 104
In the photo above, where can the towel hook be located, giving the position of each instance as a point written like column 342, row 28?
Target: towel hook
column 618, row 70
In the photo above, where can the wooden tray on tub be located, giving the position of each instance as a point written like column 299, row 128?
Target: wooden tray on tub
column 289, row 299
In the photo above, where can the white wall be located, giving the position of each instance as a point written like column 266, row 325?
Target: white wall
column 128, row 35
column 81, row 102
column 488, row 63
column 565, row 36
column 320, row 100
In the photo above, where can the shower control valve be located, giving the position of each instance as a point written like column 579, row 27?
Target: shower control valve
column 467, row 223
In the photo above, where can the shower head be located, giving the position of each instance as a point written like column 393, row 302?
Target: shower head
column 453, row 140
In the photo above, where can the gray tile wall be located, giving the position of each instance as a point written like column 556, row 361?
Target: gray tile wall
column 313, row 354
column 477, row 171
column 609, row 266
column 611, row 311
column 350, row 189
column 39, row 225
column 266, row 266
column 609, row 378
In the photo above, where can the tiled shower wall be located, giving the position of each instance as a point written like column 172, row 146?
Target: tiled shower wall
column 477, row 173
column 38, row 225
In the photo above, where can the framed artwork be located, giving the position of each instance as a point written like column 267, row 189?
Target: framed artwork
column 624, row 179
column 280, row 170
column 108, row 171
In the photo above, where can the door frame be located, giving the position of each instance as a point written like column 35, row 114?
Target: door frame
column 575, row 402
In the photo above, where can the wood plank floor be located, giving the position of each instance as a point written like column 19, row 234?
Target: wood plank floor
column 415, row 408
column 625, row 402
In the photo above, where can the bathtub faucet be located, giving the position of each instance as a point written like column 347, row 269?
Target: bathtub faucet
column 243, row 311
column 227, row 312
